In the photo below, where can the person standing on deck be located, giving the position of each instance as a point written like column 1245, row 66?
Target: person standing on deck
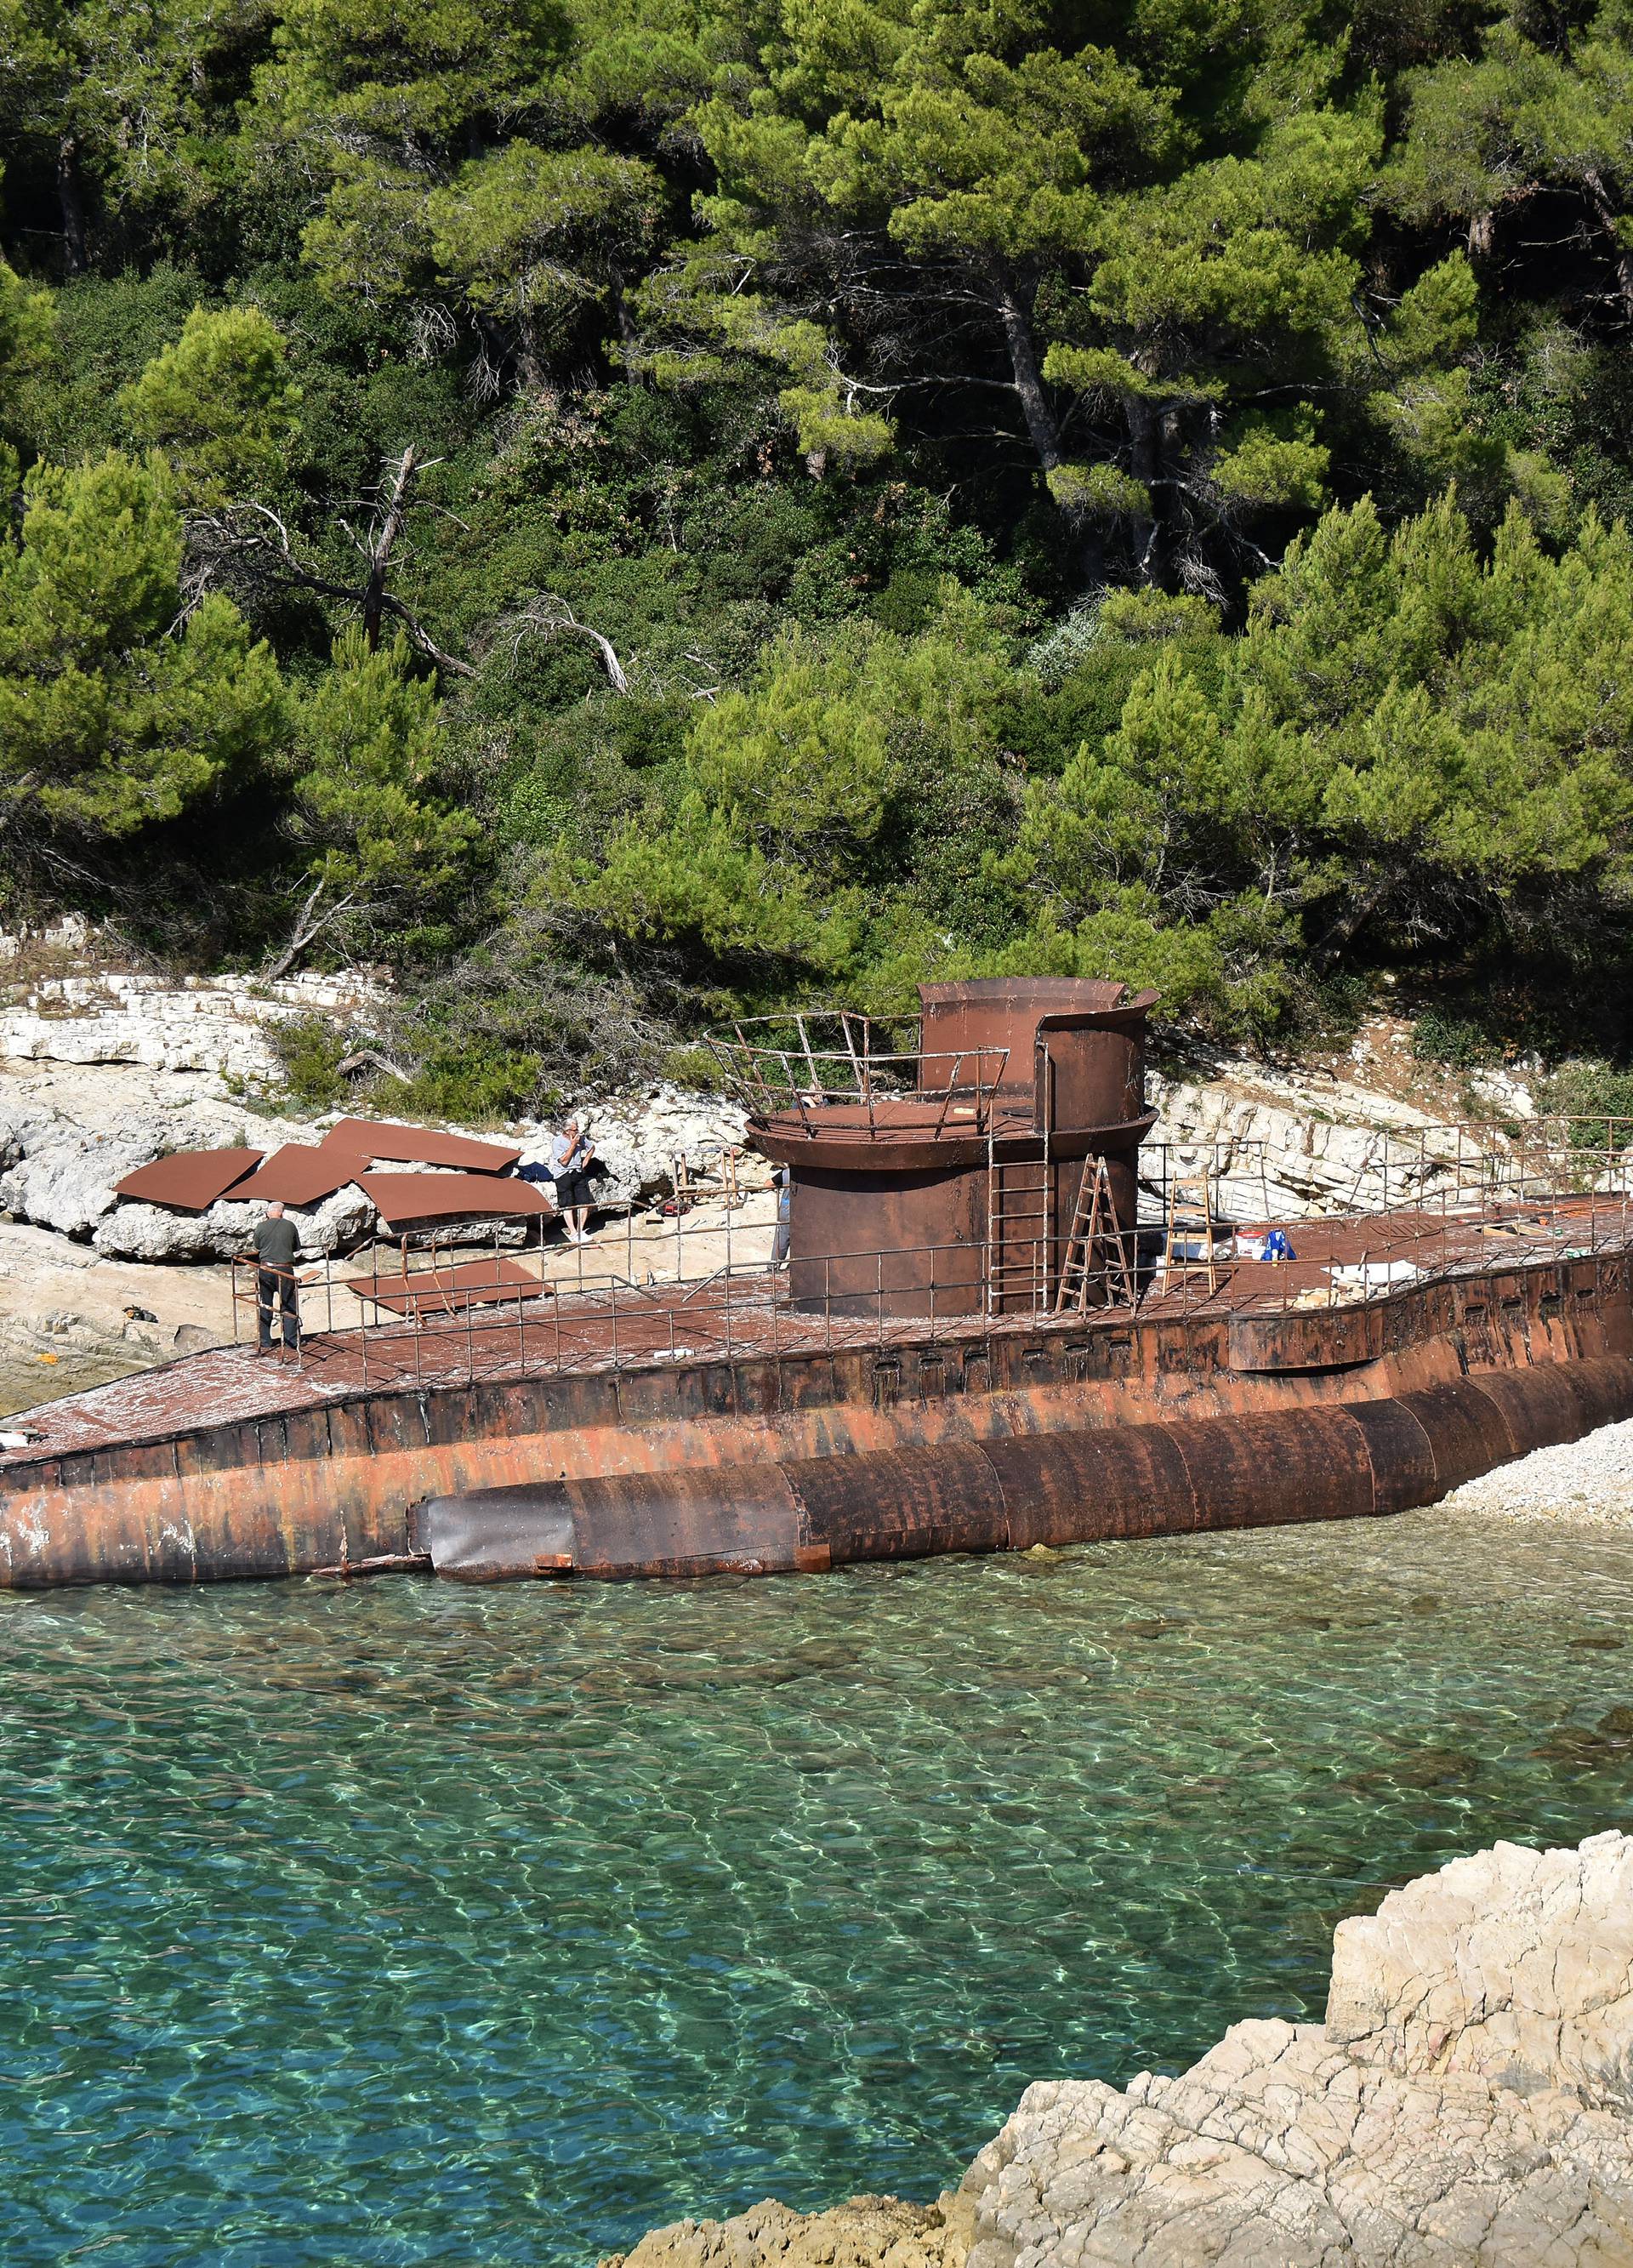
column 570, row 1158
column 782, row 1182
column 276, row 1244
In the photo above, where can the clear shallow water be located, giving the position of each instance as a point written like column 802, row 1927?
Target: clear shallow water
column 406, row 1923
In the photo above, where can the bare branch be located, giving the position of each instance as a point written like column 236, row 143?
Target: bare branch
column 253, row 532
column 548, row 616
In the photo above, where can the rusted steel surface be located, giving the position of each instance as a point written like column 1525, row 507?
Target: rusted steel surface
column 932, row 1207
column 401, row 1198
column 1307, row 1342
column 1175, row 1348
column 1089, row 1068
column 1300, row 1465
column 1400, row 1451
column 450, row 1290
column 300, row 1174
column 218, row 1466
column 895, row 1243
column 419, row 1146
column 1467, row 1433
column 1003, row 1012
column 188, row 1181
column 738, row 1518
column 488, row 1534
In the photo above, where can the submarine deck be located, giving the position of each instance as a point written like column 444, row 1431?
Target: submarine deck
column 748, row 1313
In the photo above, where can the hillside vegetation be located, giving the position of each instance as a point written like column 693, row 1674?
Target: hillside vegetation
column 629, row 510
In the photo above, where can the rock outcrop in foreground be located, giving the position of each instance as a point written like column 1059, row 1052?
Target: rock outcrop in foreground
column 1470, row 2099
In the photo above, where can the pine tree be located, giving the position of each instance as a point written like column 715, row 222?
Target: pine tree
column 119, row 704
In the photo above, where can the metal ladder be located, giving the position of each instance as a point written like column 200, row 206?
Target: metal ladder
column 1176, row 1233
column 1094, row 1218
column 1017, row 1235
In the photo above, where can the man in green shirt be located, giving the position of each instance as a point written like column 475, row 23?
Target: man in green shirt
column 276, row 1244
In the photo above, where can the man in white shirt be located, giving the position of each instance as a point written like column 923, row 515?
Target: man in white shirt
column 569, row 1159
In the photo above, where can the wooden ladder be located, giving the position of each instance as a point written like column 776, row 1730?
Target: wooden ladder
column 1195, row 1186
column 1094, row 1217
column 1018, row 1228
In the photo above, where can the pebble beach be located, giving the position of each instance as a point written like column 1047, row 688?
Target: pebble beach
column 1589, row 1480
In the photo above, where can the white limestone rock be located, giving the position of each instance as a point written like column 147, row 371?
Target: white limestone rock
column 68, row 1183
column 152, row 1232
column 221, row 1025
column 1279, row 2147
column 1514, row 1963
column 1279, row 1150
column 638, row 1136
column 1467, row 2102
column 340, row 1224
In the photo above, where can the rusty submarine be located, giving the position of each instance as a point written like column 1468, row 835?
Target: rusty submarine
column 1005, row 1317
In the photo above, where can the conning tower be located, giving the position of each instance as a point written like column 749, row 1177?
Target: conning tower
column 945, row 1179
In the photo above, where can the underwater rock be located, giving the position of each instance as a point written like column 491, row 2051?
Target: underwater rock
column 1467, row 2103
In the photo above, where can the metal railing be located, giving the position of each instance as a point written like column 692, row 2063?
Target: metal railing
column 593, row 1320
column 801, row 1066
column 421, row 1310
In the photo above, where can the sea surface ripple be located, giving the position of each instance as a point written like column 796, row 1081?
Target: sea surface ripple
column 404, row 1923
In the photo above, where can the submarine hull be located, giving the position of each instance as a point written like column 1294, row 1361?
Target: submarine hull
column 979, row 1437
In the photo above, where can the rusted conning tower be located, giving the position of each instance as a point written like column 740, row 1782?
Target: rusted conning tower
column 945, row 1180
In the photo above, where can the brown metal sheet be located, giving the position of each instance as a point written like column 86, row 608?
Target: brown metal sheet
column 1074, row 1488
column 299, row 1175
column 729, row 1516
column 1323, row 1338
column 869, row 1243
column 906, row 1504
column 188, row 1181
column 401, row 1197
column 419, row 1146
column 450, row 1291
column 1402, row 1461
column 486, row 1535
column 1602, row 1389
column 990, row 1012
column 1537, row 1405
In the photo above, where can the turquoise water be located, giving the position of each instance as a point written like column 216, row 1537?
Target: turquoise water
column 406, row 1923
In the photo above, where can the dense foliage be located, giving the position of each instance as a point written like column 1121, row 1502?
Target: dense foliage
column 629, row 507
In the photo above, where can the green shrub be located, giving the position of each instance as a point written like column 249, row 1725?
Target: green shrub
column 1453, row 1042
column 474, row 1085
column 1598, row 1099
column 309, row 1051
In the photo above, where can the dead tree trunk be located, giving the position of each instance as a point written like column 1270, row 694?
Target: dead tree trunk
column 1043, row 425
column 70, row 205
column 384, row 541
column 1605, row 212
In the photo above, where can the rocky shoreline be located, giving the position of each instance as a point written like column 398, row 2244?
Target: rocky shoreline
column 1469, row 2100
column 104, row 1068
